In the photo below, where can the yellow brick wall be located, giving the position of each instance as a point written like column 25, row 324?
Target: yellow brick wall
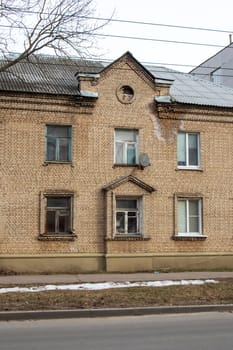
column 24, row 176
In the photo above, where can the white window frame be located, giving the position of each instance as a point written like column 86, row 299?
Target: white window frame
column 138, row 213
column 188, row 233
column 125, row 147
column 187, row 165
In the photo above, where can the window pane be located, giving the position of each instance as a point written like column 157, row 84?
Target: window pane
column 193, row 215
column 58, row 202
column 193, row 224
column 193, row 207
column 119, row 153
column 50, row 221
column 126, row 203
column 63, row 223
column 181, row 148
column 64, row 150
column 120, row 222
column 126, row 135
column 131, row 154
column 193, row 149
column 132, row 224
column 58, row 130
column 132, row 213
column 51, row 149
column 182, row 222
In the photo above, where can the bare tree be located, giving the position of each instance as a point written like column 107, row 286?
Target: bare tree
column 65, row 27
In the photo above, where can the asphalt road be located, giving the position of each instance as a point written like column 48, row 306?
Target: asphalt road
column 161, row 332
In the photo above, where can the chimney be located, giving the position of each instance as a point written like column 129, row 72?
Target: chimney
column 230, row 38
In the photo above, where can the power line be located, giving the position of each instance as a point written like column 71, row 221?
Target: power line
column 158, row 40
column 135, row 22
column 161, row 25
column 133, row 38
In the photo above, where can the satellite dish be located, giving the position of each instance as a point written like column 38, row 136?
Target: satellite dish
column 144, row 160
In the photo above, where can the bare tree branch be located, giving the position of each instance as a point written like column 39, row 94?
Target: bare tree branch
column 64, row 27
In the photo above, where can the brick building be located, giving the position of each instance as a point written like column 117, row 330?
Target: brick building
column 117, row 168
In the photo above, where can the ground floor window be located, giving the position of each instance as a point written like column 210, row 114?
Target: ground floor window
column 58, row 214
column 189, row 216
column 128, row 216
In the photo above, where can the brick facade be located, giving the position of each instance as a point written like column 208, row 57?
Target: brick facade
column 26, row 179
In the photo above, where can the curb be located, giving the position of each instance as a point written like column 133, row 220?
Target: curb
column 62, row 314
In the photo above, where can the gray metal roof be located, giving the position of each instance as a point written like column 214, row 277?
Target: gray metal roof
column 52, row 75
column 43, row 74
column 187, row 88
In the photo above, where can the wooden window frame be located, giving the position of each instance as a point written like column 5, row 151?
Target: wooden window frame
column 57, row 139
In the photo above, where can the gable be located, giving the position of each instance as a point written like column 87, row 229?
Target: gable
column 128, row 62
column 128, row 178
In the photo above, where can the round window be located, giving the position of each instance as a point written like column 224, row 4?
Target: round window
column 125, row 94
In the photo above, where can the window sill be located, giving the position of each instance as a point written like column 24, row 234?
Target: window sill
column 57, row 237
column 189, row 168
column 46, row 163
column 125, row 165
column 189, row 238
column 128, row 238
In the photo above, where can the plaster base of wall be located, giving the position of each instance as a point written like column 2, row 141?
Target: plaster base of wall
column 52, row 264
column 114, row 263
column 169, row 263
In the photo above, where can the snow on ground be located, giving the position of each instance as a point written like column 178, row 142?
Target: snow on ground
column 105, row 285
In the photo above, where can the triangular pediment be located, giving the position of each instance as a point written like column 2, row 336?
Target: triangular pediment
column 128, row 59
column 128, row 178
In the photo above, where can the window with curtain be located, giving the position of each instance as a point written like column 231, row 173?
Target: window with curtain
column 128, row 216
column 126, row 146
column 189, row 216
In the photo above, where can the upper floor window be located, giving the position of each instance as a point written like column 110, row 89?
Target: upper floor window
column 58, row 143
column 188, row 150
column 128, row 213
column 126, row 146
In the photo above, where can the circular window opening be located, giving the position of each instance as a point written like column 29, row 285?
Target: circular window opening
column 125, row 94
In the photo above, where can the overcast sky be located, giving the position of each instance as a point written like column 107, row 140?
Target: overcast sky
column 208, row 14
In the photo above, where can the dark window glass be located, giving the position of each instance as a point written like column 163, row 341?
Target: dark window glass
column 58, row 215
column 50, row 221
column 126, row 203
column 58, row 202
column 58, row 143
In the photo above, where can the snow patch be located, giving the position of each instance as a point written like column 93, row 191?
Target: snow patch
column 105, row 285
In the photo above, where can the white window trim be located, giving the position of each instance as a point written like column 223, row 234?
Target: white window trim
column 125, row 147
column 191, row 167
column 139, row 214
column 200, row 205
